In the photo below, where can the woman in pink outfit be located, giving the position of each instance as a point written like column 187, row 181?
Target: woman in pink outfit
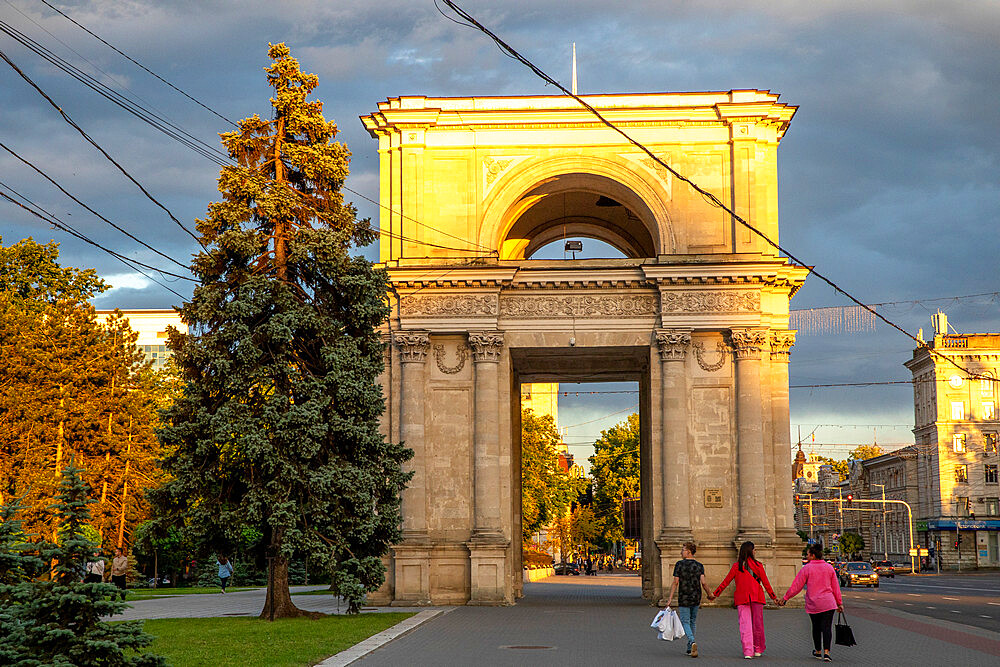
column 750, row 579
column 822, row 598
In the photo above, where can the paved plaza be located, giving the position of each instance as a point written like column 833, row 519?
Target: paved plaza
column 603, row 621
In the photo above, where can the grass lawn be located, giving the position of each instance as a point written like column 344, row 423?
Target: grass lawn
column 249, row 641
column 149, row 593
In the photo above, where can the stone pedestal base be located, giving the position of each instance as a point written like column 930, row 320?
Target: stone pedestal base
column 488, row 560
column 411, row 575
column 383, row 596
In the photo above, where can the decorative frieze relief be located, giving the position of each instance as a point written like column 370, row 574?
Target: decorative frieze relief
column 673, row 343
column 781, row 344
column 412, row 345
column 578, row 305
column 462, row 352
column 449, row 304
column 486, row 345
column 699, row 356
column 747, row 343
column 714, row 301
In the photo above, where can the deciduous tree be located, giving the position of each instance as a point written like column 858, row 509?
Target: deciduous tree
column 547, row 489
column 614, row 468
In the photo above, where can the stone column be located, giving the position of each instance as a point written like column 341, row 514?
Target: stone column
column 486, row 348
column 412, row 557
column 488, row 546
column 784, row 508
column 412, row 346
column 747, row 345
column 674, row 463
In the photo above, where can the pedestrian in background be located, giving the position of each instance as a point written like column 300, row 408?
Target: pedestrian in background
column 119, row 568
column 225, row 571
column 94, row 570
column 751, row 581
column 689, row 580
column 822, row 598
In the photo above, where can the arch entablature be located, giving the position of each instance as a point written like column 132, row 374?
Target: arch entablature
column 516, row 192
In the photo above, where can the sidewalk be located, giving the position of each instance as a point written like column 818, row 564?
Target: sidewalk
column 237, row 603
column 603, row 621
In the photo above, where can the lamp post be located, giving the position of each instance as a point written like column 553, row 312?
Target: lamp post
column 885, row 540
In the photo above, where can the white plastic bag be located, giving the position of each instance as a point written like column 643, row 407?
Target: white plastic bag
column 668, row 624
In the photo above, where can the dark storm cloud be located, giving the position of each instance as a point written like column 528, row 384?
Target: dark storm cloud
column 887, row 175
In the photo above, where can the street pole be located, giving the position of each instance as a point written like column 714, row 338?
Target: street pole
column 885, row 539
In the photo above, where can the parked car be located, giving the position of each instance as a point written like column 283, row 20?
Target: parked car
column 884, row 568
column 154, row 583
column 567, row 568
column 858, row 573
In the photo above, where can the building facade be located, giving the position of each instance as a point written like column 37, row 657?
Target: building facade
column 955, row 432
column 696, row 312
column 151, row 325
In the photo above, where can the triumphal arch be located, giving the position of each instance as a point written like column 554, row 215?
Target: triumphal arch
column 696, row 312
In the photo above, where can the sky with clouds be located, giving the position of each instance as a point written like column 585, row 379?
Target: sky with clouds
column 887, row 176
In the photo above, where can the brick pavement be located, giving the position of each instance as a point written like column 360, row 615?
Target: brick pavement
column 603, row 621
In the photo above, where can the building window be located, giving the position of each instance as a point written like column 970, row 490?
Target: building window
column 989, row 411
column 990, row 443
column 957, row 410
column 962, row 473
column 958, row 443
column 992, row 506
column 986, row 387
column 990, row 474
column 962, row 505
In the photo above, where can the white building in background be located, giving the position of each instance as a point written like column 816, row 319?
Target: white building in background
column 151, row 325
column 956, row 430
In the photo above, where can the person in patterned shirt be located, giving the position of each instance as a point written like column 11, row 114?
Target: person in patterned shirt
column 689, row 580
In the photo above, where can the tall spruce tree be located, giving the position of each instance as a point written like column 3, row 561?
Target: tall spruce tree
column 59, row 621
column 277, row 427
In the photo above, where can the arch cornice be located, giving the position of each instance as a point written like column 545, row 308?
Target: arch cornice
column 517, row 181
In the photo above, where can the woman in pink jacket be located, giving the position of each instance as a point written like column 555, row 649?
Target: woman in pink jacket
column 822, row 597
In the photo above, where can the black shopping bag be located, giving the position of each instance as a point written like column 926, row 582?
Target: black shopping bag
column 843, row 635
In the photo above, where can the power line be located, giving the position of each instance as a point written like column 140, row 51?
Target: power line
column 601, row 418
column 708, row 196
column 61, row 189
column 93, row 143
column 55, row 222
column 135, row 62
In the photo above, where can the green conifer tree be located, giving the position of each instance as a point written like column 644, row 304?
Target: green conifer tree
column 58, row 621
column 277, row 427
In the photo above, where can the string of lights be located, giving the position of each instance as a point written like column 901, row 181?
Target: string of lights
column 708, row 196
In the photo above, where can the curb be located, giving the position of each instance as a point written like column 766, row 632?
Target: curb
column 361, row 649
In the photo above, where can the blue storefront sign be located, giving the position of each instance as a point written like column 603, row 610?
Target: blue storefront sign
column 963, row 524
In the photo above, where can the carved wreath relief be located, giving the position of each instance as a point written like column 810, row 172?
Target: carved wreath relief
column 462, row 352
column 699, row 356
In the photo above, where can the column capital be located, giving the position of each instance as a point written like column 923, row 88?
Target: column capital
column 673, row 343
column 781, row 344
column 747, row 343
column 486, row 346
column 412, row 345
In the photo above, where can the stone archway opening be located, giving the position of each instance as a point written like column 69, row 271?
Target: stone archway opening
column 593, row 365
column 579, row 205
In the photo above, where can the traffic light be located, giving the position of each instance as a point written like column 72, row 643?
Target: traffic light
column 849, row 497
column 796, row 498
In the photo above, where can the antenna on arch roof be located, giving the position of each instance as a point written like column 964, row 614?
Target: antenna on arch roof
column 574, row 68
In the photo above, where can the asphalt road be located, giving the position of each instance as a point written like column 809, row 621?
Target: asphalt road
column 970, row 599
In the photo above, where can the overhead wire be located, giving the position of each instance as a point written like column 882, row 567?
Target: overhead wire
column 134, row 61
column 50, row 218
column 708, row 196
column 93, row 143
column 68, row 194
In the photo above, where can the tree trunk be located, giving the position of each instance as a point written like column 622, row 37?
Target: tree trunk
column 278, row 602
